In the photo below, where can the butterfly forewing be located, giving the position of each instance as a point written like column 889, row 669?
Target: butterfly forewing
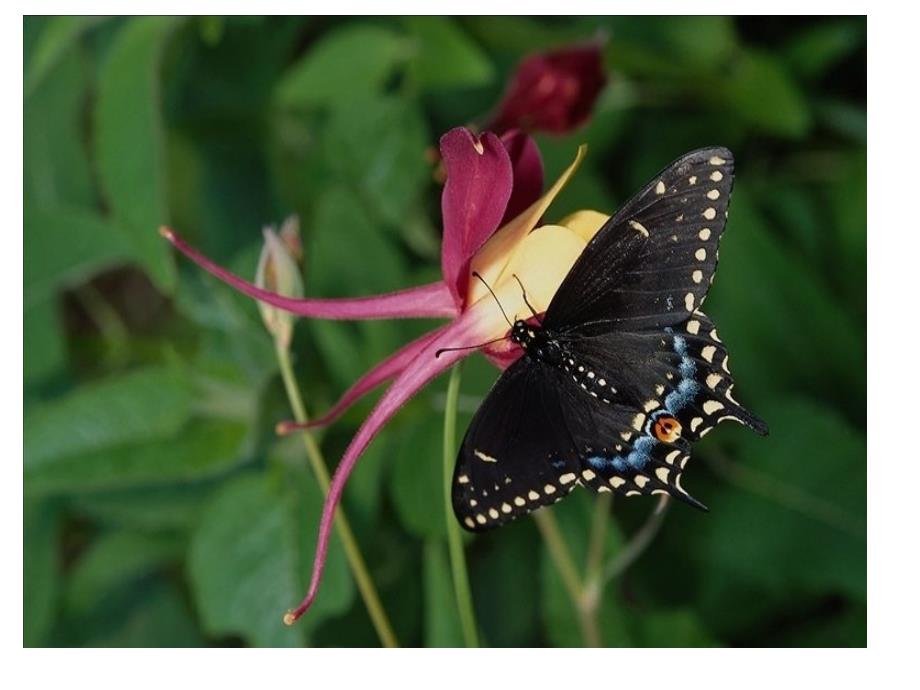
column 653, row 261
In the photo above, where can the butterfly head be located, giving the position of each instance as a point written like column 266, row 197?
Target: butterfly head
column 536, row 342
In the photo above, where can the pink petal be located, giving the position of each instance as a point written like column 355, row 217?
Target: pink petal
column 432, row 300
column 387, row 369
column 528, row 172
column 473, row 203
column 460, row 333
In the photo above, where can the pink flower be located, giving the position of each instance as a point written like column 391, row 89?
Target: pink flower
column 553, row 91
column 491, row 205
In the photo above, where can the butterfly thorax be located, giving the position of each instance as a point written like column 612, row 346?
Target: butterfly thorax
column 538, row 343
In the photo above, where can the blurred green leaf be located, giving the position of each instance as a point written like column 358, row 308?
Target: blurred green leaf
column 46, row 352
column 670, row 45
column 130, row 140
column 762, row 92
column 416, row 484
column 377, row 146
column 56, row 168
column 113, row 561
column 678, row 628
column 816, row 49
column 143, row 405
column 146, row 508
column 251, row 552
column 204, row 449
column 504, row 567
column 349, row 61
column 39, row 571
column 763, row 323
column 442, row 621
column 58, row 35
column 446, row 57
column 807, row 482
column 158, row 617
column 65, row 246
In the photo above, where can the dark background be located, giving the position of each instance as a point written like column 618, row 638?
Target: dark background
column 160, row 509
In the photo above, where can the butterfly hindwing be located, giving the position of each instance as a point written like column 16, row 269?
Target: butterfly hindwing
column 517, row 454
column 651, row 264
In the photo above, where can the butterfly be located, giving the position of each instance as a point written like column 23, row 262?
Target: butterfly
column 623, row 372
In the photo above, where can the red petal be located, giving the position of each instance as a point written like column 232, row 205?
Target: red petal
column 528, row 172
column 476, row 194
column 432, row 300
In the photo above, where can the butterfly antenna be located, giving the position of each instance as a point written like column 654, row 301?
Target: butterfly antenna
column 468, row 347
column 496, row 298
column 526, row 301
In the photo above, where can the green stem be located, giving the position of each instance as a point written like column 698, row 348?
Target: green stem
column 343, row 529
column 565, row 565
column 454, row 539
column 638, row 543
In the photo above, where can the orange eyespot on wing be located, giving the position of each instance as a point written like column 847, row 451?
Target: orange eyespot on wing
column 667, row 429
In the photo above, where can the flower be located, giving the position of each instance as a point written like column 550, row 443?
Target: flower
column 553, row 91
column 491, row 205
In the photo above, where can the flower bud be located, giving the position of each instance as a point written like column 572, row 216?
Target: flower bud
column 279, row 271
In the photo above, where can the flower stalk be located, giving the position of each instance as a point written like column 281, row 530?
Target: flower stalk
column 356, row 562
column 459, row 574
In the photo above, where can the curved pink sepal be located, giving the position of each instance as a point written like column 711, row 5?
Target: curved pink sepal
column 460, row 333
column 426, row 301
column 384, row 371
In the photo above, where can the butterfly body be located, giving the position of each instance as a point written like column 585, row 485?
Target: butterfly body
column 623, row 372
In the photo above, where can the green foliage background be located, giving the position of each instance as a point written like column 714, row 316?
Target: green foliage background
column 160, row 509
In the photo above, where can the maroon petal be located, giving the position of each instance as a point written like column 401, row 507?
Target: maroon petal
column 384, row 371
column 432, row 300
column 527, row 167
column 553, row 91
column 460, row 333
column 473, row 203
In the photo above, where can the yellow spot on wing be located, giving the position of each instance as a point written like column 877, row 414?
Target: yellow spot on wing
column 659, row 188
column 638, row 226
column 485, row 458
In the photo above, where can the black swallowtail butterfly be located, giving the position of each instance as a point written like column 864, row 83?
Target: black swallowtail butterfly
column 624, row 372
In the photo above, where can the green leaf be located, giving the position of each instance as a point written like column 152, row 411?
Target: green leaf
column 143, row 405
column 249, row 555
column 114, row 561
column 203, row 449
column 147, row 508
column 671, row 46
column 676, row 628
column 130, row 140
column 815, row 50
column 446, row 57
column 158, row 616
column 39, row 571
column 442, row 621
column 55, row 39
column 353, row 60
column 377, row 146
column 762, row 93
column 797, row 504
column 46, row 353
column 64, row 246
column 417, row 477
column 760, row 317
column 56, row 168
